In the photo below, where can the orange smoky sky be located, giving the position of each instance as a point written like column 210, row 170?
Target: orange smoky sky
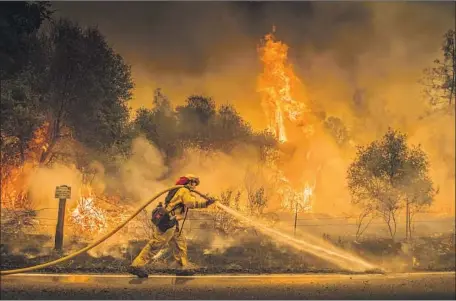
column 210, row 48
column 358, row 61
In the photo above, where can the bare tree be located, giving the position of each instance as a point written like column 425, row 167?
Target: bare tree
column 224, row 221
column 256, row 193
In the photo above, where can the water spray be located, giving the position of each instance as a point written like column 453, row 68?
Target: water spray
column 340, row 258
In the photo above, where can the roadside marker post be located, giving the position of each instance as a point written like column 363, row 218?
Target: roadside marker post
column 62, row 192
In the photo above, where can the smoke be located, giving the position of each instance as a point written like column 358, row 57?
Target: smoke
column 140, row 174
column 385, row 72
column 139, row 177
column 436, row 134
column 42, row 185
column 218, row 171
column 360, row 62
column 145, row 173
column 376, row 51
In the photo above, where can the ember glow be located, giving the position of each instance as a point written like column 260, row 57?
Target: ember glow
column 96, row 213
column 12, row 192
column 299, row 200
column 88, row 218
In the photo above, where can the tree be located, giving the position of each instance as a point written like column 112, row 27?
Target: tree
column 224, row 221
column 22, row 63
column 230, row 128
column 159, row 125
column 440, row 80
column 20, row 113
column 383, row 175
column 69, row 87
column 196, row 121
column 20, row 22
column 88, row 87
column 75, row 84
column 256, row 194
column 203, row 108
column 197, row 124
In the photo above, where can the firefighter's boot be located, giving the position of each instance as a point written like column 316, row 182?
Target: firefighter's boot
column 138, row 271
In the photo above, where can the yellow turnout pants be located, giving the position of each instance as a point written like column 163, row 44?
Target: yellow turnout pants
column 159, row 240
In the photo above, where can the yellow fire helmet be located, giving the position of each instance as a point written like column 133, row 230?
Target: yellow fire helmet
column 192, row 178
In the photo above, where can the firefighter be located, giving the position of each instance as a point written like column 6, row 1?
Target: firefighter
column 167, row 231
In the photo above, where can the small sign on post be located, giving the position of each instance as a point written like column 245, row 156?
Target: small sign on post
column 62, row 192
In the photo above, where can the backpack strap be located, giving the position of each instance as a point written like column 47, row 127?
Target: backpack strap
column 179, row 206
column 170, row 195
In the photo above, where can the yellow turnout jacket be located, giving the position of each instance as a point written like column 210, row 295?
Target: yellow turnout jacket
column 182, row 200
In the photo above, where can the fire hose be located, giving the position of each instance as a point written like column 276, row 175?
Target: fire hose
column 96, row 243
column 270, row 232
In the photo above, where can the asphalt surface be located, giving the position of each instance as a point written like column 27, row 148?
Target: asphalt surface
column 305, row 286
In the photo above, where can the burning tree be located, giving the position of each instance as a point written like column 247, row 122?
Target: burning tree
column 17, row 168
column 276, row 83
column 386, row 175
column 71, row 86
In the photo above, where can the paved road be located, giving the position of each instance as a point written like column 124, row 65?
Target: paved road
column 333, row 286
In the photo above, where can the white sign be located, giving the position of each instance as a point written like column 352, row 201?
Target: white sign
column 63, row 192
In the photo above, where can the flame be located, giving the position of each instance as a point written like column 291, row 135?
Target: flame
column 276, row 83
column 15, row 174
column 307, row 198
column 95, row 214
column 295, row 200
column 12, row 193
column 39, row 143
column 87, row 218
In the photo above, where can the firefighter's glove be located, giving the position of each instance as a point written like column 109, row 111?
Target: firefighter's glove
column 210, row 201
